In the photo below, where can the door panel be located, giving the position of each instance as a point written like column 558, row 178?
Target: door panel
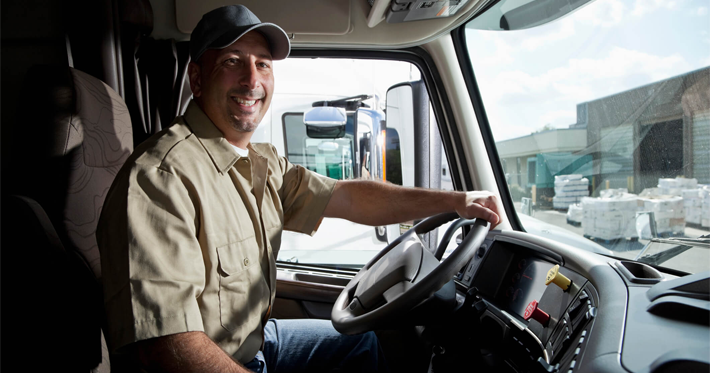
column 301, row 294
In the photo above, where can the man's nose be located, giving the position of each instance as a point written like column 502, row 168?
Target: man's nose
column 250, row 77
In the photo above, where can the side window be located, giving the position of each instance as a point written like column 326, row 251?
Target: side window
column 370, row 147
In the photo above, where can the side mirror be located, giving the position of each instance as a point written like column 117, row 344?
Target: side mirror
column 325, row 122
column 411, row 146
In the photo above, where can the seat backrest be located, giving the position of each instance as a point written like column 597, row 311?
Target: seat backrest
column 73, row 136
column 77, row 135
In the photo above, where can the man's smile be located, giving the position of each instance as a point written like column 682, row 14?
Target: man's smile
column 244, row 102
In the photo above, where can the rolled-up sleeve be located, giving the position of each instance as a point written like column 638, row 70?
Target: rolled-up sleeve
column 148, row 234
column 304, row 196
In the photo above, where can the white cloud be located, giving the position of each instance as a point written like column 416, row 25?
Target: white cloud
column 702, row 11
column 524, row 101
column 560, row 118
column 502, row 54
column 501, row 51
column 605, row 72
column 582, row 79
column 642, row 7
column 574, row 91
column 564, row 30
column 602, row 13
column 508, row 131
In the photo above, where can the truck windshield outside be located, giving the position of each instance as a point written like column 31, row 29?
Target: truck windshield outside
column 602, row 121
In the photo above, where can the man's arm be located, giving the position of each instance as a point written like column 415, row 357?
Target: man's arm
column 184, row 352
column 377, row 203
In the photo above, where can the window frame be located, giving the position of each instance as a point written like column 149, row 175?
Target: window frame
column 458, row 36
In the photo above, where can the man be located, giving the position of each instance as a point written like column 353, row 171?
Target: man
column 192, row 225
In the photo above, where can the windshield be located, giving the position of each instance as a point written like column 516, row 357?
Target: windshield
column 601, row 121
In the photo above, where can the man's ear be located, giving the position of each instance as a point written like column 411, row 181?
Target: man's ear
column 195, row 72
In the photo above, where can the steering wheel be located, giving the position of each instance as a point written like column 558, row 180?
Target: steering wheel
column 401, row 276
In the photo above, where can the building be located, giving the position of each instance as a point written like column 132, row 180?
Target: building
column 655, row 131
column 627, row 140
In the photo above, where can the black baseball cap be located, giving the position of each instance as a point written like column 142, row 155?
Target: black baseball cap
column 221, row 27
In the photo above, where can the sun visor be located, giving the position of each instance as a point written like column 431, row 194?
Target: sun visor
column 295, row 17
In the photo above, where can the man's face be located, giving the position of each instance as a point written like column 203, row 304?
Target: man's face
column 234, row 85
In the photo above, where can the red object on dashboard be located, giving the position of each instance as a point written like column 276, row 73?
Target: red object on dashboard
column 532, row 311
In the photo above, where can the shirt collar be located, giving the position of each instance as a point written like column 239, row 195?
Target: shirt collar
column 212, row 139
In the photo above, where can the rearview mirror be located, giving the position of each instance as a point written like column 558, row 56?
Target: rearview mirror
column 536, row 13
column 325, row 122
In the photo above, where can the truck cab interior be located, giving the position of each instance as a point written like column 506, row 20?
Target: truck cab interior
column 555, row 106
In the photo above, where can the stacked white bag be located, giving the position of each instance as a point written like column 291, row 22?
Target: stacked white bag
column 693, row 204
column 675, row 187
column 668, row 212
column 569, row 190
column 575, row 213
column 610, row 217
column 673, row 203
column 696, row 200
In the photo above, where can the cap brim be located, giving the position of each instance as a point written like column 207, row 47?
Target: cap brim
column 276, row 37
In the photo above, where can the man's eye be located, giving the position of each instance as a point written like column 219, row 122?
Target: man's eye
column 230, row 61
column 263, row 65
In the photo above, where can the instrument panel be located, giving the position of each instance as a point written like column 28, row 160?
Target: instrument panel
column 536, row 313
column 523, row 283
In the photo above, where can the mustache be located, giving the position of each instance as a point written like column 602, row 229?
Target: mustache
column 246, row 92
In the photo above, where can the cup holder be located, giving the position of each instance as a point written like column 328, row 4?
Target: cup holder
column 639, row 273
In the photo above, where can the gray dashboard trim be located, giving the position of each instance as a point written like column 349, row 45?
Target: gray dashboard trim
column 539, row 249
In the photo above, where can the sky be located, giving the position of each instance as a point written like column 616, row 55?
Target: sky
column 536, row 77
column 341, row 77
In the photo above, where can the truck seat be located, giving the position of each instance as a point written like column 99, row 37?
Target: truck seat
column 74, row 136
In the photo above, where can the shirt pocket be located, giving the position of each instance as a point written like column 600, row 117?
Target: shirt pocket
column 240, row 284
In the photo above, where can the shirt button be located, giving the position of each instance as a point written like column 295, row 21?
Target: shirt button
column 246, row 262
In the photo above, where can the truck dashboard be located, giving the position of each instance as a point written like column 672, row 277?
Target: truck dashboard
column 534, row 307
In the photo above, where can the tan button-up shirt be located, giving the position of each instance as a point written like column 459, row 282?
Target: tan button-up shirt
column 190, row 232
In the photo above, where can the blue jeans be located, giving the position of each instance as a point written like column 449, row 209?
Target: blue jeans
column 310, row 345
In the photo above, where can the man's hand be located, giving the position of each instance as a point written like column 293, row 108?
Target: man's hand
column 481, row 204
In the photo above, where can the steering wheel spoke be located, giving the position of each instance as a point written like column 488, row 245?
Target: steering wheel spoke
column 395, row 291
column 400, row 277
